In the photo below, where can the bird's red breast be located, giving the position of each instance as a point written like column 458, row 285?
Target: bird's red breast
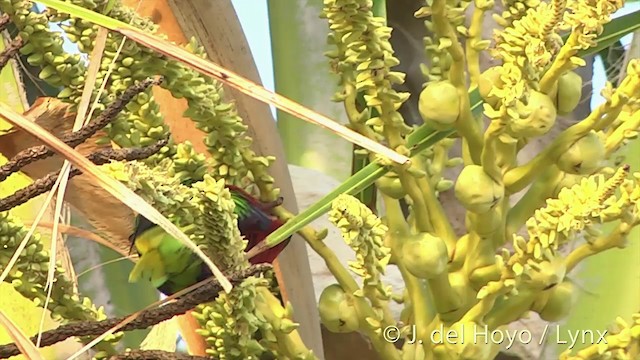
column 254, row 237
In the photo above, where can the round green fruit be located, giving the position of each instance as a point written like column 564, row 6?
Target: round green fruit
column 439, row 105
column 559, row 303
column 569, row 92
column 337, row 312
column 585, row 156
column 425, row 255
column 477, row 191
column 390, row 185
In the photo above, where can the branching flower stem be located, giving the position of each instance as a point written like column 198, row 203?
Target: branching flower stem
column 561, row 64
column 475, row 36
column 347, row 282
column 617, row 136
column 422, row 313
column 447, row 300
column 518, row 178
column 465, row 124
column 617, row 238
column 473, row 55
column 540, row 190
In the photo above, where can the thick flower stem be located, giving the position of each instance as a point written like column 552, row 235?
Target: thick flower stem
column 489, row 153
column 347, row 282
column 511, row 309
column 444, row 298
column 465, row 124
column 417, row 291
column 289, row 344
column 541, row 189
column 475, row 36
column 481, row 244
column 482, row 308
column 616, row 238
column 561, row 64
column 441, row 224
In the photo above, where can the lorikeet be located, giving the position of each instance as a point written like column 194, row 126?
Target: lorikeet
column 170, row 266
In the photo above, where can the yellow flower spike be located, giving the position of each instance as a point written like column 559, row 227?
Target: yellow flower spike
column 613, row 183
column 619, row 344
column 586, row 20
column 364, row 233
column 364, row 58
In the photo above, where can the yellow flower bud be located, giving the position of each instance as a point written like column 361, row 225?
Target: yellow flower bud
column 477, row 191
column 390, row 185
column 425, row 255
column 337, row 311
column 439, row 105
column 583, row 157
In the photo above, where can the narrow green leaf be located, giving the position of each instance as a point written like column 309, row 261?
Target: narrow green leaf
column 109, row 6
column 352, row 185
column 368, row 195
column 86, row 14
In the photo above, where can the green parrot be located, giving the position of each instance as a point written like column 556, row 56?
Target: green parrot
column 170, row 266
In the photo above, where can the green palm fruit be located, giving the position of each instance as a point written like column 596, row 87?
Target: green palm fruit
column 425, row 255
column 583, row 157
column 542, row 116
column 337, row 311
column 489, row 79
column 569, row 92
column 559, row 303
column 390, row 185
column 439, row 105
column 477, row 191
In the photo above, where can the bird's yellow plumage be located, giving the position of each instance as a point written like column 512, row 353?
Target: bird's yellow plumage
column 161, row 256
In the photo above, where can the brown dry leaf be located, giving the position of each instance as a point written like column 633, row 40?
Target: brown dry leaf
column 112, row 219
column 81, row 233
column 21, row 340
column 258, row 92
column 163, row 336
